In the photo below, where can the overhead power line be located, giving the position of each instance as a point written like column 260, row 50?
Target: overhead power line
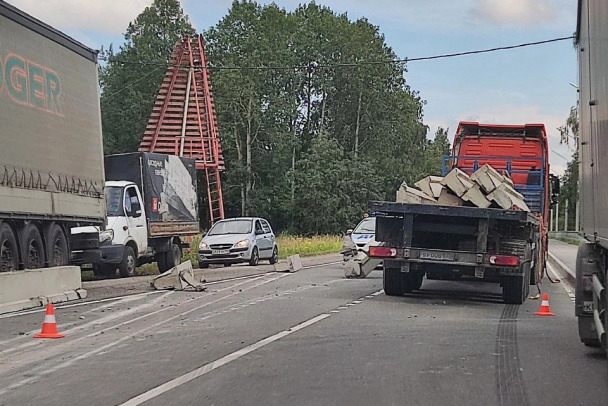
column 315, row 65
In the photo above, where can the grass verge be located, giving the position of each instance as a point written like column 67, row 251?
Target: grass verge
column 308, row 246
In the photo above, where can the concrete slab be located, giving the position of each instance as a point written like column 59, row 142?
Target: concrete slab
column 458, row 182
column 30, row 288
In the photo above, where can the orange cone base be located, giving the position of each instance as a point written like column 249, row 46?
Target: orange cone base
column 544, row 313
column 49, row 335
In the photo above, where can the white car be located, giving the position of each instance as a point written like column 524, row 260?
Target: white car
column 237, row 240
column 363, row 233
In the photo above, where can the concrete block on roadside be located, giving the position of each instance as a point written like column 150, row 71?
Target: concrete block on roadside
column 458, row 182
column 82, row 293
column 293, row 264
column 180, row 277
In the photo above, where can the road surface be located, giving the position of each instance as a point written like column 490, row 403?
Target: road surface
column 307, row 338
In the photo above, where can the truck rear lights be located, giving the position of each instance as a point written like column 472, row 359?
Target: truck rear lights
column 382, row 252
column 504, row 260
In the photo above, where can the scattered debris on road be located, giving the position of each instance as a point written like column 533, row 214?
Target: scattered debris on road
column 180, row 277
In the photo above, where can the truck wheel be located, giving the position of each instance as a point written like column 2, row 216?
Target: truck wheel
column 391, row 281
column 513, row 289
column 417, row 280
column 9, row 256
column 275, row 256
column 255, row 257
column 32, row 248
column 57, row 246
column 127, row 267
column 169, row 259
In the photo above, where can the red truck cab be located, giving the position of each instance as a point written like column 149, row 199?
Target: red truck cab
column 519, row 151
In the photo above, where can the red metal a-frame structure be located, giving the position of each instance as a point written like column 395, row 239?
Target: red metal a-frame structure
column 183, row 120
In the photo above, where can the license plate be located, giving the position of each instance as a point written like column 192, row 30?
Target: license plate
column 437, row 256
column 220, row 252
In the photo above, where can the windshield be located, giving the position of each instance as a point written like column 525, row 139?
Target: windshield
column 231, row 227
column 113, row 201
column 368, row 226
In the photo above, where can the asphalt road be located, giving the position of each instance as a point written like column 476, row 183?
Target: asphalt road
column 308, row 338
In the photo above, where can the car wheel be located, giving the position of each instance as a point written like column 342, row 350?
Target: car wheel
column 203, row 266
column 227, row 265
column 255, row 257
column 275, row 256
column 127, row 267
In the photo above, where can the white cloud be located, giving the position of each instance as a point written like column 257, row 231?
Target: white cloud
column 109, row 17
column 514, row 11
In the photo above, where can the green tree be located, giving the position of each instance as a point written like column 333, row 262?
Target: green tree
column 435, row 151
column 340, row 88
column 131, row 77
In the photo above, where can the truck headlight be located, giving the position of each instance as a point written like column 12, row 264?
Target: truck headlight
column 203, row 246
column 242, row 244
column 107, row 235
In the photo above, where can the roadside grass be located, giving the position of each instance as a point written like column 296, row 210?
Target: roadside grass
column 308, row 246
column 288, row 245
column 567, row 240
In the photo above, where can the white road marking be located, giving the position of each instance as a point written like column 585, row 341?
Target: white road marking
column 159, row 390
column 67, row 306
column 567, row 286
column 103, row 349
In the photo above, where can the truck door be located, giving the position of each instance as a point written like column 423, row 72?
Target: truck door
column 136, row 219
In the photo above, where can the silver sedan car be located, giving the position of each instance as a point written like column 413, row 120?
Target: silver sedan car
column 237, row 240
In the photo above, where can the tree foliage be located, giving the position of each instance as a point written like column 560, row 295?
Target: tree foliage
column 131, row 78
column 314, row 119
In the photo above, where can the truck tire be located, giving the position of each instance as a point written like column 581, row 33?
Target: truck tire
column 57, row 246
column 32, row 248
column 514, row 288
column 9, row 254
column 169, row 259
column 417, row 279
column 391, row 281
column 126, row 268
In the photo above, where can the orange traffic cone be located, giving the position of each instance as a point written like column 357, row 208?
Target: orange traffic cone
column 544, row 307
column 49, row 326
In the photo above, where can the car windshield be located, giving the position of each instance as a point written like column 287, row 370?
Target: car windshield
column 113, row 201
column 367, row 226
column 231, row 227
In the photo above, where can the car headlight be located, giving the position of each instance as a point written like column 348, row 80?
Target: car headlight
column 203, row 246
column 242, row 244
column 107, row 235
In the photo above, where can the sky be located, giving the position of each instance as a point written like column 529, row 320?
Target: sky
column 526, row 85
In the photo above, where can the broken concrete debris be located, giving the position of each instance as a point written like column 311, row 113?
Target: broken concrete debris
column 485, row 188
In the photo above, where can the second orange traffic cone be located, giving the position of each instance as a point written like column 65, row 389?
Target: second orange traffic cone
column 49, row 326
column 544, row 310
